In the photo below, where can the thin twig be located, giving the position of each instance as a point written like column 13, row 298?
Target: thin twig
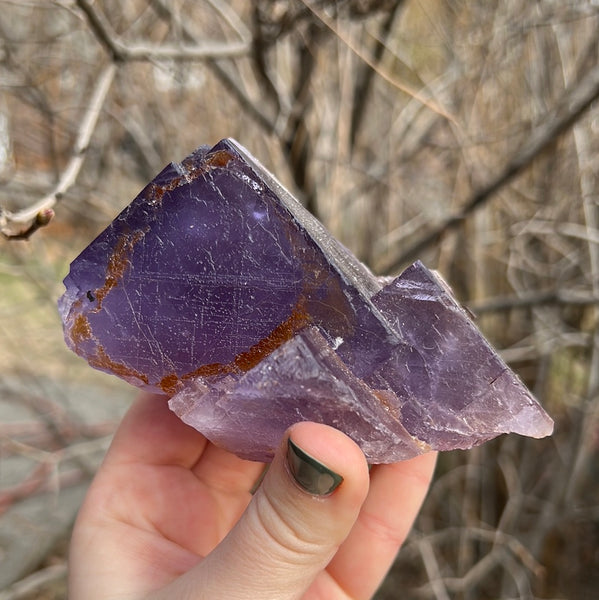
column 34, row 582
column 14, row 224
column 101, row 29
column 46, row 476
column 572, row 106
column 432, row 569
column 421, row 96
column 141, row 52
column 366, row 74
column 232, row 18
column 222, row 72
column 532, row 299
column 121, row 52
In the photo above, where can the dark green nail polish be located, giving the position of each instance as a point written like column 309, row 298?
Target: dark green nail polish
column 309, row 473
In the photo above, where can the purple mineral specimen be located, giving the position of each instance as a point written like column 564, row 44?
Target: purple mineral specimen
column 216, row 287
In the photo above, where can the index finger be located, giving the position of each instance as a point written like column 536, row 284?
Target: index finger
column 151, row 434
column 395, row 497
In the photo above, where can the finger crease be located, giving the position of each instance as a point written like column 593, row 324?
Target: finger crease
column 382, row 529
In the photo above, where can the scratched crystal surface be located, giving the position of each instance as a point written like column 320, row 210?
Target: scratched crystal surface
column 215, row 286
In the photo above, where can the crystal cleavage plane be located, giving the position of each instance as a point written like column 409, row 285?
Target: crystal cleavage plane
column 217, row 288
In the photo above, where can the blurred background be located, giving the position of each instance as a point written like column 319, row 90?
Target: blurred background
column 461, row 133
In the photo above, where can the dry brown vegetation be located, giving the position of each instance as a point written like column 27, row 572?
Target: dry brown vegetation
column 462, row 133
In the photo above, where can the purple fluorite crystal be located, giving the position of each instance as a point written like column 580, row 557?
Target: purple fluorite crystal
column 216, row 287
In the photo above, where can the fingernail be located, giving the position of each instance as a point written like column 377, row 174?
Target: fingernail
column 310, row 474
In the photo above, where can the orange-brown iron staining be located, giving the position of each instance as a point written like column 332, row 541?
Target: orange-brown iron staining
column 101, row 360
column 156, row 192
column 245, row 361
column 118, row 262
column 220, row 158
column 81, row 330
column 298, row 319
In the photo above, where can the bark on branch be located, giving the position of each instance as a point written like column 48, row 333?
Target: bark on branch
column 21, row 224
column 121, row 52
column 533, row 299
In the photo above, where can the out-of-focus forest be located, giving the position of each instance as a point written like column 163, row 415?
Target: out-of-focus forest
column 462, row 133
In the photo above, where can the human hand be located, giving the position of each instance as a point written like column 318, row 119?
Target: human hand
column 171, row 516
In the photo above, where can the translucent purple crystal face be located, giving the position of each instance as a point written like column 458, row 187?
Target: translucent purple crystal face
column 216, row 287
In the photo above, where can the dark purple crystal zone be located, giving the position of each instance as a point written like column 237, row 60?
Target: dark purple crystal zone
column 203, row 275
column 215, row 286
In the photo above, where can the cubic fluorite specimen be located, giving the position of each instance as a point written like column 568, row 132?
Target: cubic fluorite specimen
column 216, row 287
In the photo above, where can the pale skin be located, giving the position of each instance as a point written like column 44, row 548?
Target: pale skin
column 171, row 516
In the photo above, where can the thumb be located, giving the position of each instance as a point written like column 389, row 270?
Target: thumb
column 305, row 507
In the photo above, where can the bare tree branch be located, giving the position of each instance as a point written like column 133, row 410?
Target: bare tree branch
column 421, row 96
column 34, row 582
column 366, row 74
column 121, row 52
column 222, row 72
column 16, row 225
column 572, row 106
column 532, row 299
column 432, row 569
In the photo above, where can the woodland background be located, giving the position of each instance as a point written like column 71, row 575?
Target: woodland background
column 461, row 133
